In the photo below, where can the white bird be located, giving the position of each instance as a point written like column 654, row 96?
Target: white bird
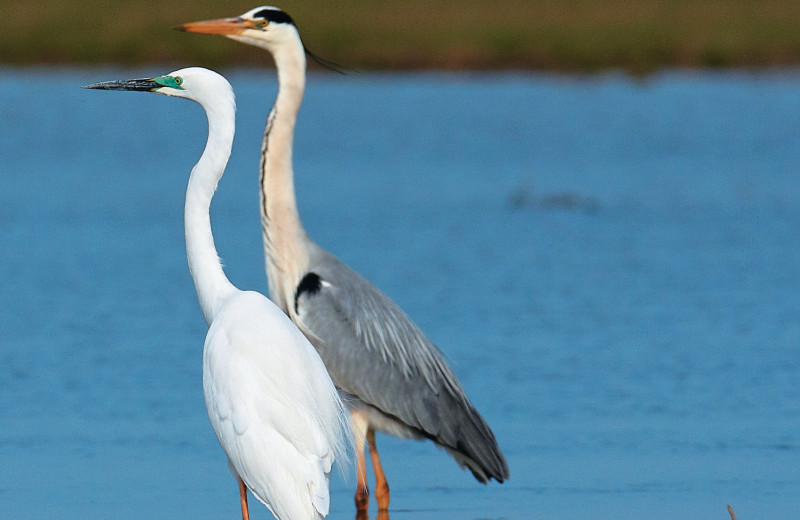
column 396, row 379
column 271, row 403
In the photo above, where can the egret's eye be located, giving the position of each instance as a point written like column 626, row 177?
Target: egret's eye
column 170, row 81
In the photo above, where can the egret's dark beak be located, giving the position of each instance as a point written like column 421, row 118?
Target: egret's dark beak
column 218, row 26
column 138, row 85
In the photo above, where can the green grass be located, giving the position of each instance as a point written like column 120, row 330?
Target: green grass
column 572, row 35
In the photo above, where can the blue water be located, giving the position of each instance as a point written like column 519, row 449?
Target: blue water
column 612, row 266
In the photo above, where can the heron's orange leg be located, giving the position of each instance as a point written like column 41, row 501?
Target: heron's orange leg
column 381, row 485
column 360, row 424
column 243, row 499
column 362, row 490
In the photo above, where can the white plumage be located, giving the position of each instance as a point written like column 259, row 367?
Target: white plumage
column 271, row 403
column 263, row 398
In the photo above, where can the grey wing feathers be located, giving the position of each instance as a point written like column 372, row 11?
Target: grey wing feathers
column 374, row 352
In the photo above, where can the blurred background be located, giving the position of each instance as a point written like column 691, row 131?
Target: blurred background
column 566, row 35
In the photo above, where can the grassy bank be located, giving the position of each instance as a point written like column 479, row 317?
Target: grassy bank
column 575, row 35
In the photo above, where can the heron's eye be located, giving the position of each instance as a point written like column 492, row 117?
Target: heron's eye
column 263, row 23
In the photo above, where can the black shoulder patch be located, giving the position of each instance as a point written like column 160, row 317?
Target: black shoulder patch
column 311, row 283
column 274, row 16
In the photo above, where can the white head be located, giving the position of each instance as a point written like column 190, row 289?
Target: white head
column 266, row 27
column 198, row 84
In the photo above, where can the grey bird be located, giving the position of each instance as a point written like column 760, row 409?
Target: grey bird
column 394, row 379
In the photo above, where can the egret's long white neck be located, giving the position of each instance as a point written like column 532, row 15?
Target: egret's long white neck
column 212, row 286
column 284, row 237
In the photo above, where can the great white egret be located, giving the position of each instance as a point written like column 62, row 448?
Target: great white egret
column 397, row 380
column 273, row 407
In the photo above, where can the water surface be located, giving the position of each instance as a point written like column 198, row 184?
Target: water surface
column 610, row 265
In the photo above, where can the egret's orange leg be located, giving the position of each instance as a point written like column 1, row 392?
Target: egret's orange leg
column 381, row 485
column 243, row 498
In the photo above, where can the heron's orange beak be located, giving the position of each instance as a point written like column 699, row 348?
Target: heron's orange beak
column 218, row 26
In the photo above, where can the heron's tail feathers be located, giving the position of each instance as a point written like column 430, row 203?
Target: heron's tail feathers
column 470, row 441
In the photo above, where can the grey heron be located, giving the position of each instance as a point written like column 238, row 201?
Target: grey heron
column 395, row 379
column 273, row 407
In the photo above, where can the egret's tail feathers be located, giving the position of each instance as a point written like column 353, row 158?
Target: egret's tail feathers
column 320, row 496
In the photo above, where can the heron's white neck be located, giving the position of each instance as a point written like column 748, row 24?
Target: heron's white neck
column 284, row 236
column 212, row 286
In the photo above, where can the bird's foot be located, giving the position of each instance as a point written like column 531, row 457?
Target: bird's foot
column 382, row 495
column 362, row 498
